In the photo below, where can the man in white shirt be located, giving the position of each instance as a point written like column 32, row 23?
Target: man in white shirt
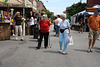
column 31, row 25
column 58, row 25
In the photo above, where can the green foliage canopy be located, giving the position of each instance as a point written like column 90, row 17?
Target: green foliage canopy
column 75, row 8
column 49, row 14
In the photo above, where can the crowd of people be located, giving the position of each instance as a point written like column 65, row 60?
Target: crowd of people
column 93, row 24
column 61, row 28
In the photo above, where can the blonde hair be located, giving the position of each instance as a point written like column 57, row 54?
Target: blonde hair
column 17, row 13
column 44, row 15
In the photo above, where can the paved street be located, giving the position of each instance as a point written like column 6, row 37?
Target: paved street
column 23, row 54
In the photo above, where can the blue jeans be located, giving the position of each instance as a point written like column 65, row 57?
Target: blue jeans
column 57, row 30
column 63, row 37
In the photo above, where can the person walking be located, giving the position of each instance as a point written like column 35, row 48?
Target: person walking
column 81, row 26
column 65, row 32
column 55, row 24
column 94, row 26
column 11, row 26
column 58, row 25
column 18, row 25
column 44, row 25
column 31, row 25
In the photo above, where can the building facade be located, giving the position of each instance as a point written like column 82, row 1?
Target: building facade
column 40, row 6
column 93, row 2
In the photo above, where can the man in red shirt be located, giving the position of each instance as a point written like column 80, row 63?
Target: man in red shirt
column 44, row 25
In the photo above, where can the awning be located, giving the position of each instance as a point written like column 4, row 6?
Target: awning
column 11, row 3
column 83, row 13
column 28, row 4
column 3, row 4
column 16, row 3
column 4, row 1
column 93, row 8
column 96, row 6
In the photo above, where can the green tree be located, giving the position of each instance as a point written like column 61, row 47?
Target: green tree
column 49, row 14
column 75, row 8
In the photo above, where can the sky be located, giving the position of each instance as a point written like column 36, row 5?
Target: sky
column 58, row 6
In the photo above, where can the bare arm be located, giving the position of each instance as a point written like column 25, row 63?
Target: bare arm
column 49, row 28
column 89, row 25
column 39, row 26
column 69, row 31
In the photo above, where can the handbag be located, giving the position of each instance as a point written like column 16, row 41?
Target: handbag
column 62, row 30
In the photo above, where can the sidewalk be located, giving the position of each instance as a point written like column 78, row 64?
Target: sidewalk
column 23, row 54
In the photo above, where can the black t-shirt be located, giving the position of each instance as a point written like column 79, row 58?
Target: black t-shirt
column 18, row 20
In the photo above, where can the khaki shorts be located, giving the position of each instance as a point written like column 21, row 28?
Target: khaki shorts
column 93, row 34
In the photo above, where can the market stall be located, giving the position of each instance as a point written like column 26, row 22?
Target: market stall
column 4, row 31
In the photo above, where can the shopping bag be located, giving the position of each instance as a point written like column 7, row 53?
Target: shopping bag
column 70, row 40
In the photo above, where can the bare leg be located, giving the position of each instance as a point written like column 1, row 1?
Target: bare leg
column 12, row 31
column 93, row 43
column 79, row 30
column 82, row 30
column 90, row 41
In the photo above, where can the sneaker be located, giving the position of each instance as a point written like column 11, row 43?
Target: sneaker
column 13, row 35
column 16, row 39
column 54, row 35
column 91, row 50
column 60, row 51
column 45, row 47
column 37, row 48
column 64, row 53
column 88, row 50
column 22, row 39
column 98, row 39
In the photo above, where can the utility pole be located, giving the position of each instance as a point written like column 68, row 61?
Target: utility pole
column 80, row 1
column 24, row 18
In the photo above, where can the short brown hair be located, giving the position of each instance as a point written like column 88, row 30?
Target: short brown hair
column 97, row 9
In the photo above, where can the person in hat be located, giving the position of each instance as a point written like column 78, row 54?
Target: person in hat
column 18, row 25
column 44, row 25
column 64, row 33
column 94, row 26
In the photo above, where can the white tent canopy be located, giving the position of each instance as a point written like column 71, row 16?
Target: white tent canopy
column 96, row 6
column 83, row 12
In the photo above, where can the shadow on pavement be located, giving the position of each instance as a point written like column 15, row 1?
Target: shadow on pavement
column 23, row 42
column 55, row 52
column 98, row 51
column 96, row 48
column 0, row 63
column 31, row 38
column 51, row 51
column 12, row 39
column 52, row 35
column 34, row 40
column 32, row 47
column 80, row 50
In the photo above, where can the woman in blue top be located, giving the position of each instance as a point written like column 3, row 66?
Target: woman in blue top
column 64, row 35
